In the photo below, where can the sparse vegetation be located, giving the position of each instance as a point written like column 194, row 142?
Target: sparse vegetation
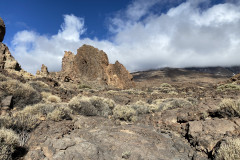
column 167, row 88
column 228, row 87
column 23, row 94
column 3, row 78
column 40, row 86
column 229, row 108
column 170, row 103
column 92, row 106
column 83, row 86
column 141, row 107
column 126, row 113
column 49, row 98
column 229, row 149
column 60, row 113
column 9, row 140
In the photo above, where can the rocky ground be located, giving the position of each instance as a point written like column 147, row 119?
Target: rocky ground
column 181, row 119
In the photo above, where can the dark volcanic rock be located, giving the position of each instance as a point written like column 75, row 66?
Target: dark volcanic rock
column 2, row 29
column 99, row 138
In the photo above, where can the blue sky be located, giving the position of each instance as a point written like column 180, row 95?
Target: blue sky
column 45, row 16
column 140, row 34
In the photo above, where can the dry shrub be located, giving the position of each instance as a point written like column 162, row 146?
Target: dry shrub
column 92, row 106
column 49, row 98
column 40, row 86
column 54, row 99
column 56, row 112
column 229, row 149
column 8, row 142
column 167, row 88
column 3, row 78
column 229, row 108
column 60, row 113
column 83, row 86
column 126, row 113
column 20, row 121
column 170, row 103
column 23, row 94
column 228, row 87
column 141, row 107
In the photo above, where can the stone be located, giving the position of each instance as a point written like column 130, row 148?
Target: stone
column 7, row 61
column 7, row 102
column 204, row 135
column 44, row 71
column 2, row 29
column 91, row 65
column 100, row 138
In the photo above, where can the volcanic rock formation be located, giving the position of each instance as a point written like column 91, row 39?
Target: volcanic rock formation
column 44, row 71
column 91, row 65
column 2, row 29
column 7, row 61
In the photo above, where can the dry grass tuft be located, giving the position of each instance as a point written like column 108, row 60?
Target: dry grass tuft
column 40, row 86
column 92, row 106
column 60, row 113
column 230, row 108
column 49, row 98
column 229, row 150
column 141, row 107
column 228, row 87
column 8, row 141
column 170, row 103
column 126, row 113
column 3, row 78
column 23, row 94
column 167, row 88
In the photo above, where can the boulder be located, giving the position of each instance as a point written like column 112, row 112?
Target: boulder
column 91, row 66
column 2, row 29
column 204, row 135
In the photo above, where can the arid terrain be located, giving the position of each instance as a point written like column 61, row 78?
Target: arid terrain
column 95, row 110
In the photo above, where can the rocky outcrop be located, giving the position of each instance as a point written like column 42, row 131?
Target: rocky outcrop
column 67, row 61
column 44, row 71
column 100, row 138
column 92, row 66
column 7, row 61
column 119, row 76
column 2, row 29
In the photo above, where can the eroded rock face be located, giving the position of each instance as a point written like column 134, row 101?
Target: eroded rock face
column 119, row 76
column 67, row 61
column 44, row 71
column 92, row 65
column 7, row 61
column 2, row 29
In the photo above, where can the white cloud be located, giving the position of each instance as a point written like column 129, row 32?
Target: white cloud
column 184, row 36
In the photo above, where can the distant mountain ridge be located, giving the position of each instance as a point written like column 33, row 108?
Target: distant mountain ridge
column 221, row 71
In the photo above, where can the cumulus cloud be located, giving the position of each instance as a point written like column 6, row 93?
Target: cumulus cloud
column 185, row 35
